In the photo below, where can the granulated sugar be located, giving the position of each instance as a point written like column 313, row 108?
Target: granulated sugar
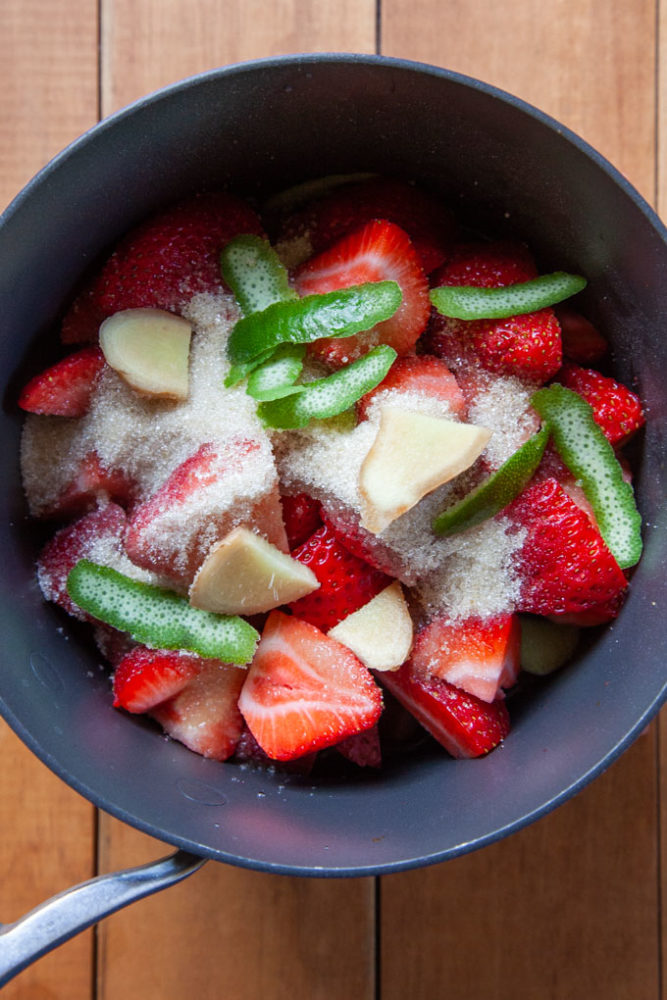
column 504, row 405
column 145, row 438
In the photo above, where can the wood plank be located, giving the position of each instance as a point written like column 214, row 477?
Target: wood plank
column 565, row 908
column 590, row 64
column 568, row 907
column 229, row 932
column 48, row 82
column 149, row 44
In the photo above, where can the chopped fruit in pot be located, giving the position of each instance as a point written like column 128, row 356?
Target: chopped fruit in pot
column 305, row 691
column 64, row 390
column 379, row 251
column 292, row 476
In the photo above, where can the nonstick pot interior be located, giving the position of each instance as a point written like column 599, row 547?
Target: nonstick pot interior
column 257, row 128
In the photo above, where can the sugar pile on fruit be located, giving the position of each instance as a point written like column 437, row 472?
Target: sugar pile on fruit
column 295, row 477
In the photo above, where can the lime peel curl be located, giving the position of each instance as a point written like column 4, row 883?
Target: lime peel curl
column 472, row 303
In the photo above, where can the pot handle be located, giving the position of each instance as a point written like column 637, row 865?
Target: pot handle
column 64, row 915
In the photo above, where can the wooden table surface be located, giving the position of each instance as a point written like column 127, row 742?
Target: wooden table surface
column 568, row 908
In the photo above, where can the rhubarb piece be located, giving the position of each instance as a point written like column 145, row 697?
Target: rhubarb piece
column 412, row 455
column 339, row 314
column 149, row 348
column 545, row 645
column 305, row 691
column 499, row 489
column 253, row 271
column 380, row 632
column 157, row 617
column 329, row 396
column 471, row 302
column 243, row 574
column 590, row 457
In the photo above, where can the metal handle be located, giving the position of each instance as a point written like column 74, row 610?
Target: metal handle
column 61, row 917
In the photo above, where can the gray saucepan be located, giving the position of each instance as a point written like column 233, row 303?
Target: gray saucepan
column 257, row 128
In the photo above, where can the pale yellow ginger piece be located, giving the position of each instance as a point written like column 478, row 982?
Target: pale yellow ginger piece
column 243, row 574
column 412, row 455
column 380, row 632
column 150, row 350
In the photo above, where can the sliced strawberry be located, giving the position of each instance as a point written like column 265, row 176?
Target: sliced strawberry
column 616, row 409
column 64, row 389
column 478, row 656
column 346, row 582
column 362, row 749
column 163, row 262
column 582, row 342
column 101, row 528
column 464, row 725
column 204, row 715
column 211, row 492
column 327, row 219
column 302, row 517
column 248, row 750
column 564, row 565
column 146, row 677
column 528, row 346
column 423, row 375
column 379, row 251
column 92, row 485
column 305, row 691
column 370, row 548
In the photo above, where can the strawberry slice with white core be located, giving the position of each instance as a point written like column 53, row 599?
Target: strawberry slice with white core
column 379, row 251
column 305, row 691
column 464, row 725
column 479, row 656
column 146, row 677
column 204, row 716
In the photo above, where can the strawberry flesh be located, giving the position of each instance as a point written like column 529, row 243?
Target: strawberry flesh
column 302, row 517
column 304, row 691
column 64, row 389
column 379, row 251
column 564, row 566
column 146, row 677
column 346, row 582
column 463, row 724
column 421, row 374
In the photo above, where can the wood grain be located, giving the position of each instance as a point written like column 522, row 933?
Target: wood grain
column 149, row 43
column 48, row 83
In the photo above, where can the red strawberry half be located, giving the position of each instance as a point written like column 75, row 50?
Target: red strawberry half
column 582, row 342
column 379, row 251
column 64, row 389
column 163, row 262
column 564, row 566
column 302, row 517
column 480, row 656
column 103, row 527
column 461, row 723
column 528, row 345
column 204, row 715
column 423, row 375
column 349, row 206
column 616, row 409
column 146, row 677
column 305, row 691
column 346, row 582
column 92, row 485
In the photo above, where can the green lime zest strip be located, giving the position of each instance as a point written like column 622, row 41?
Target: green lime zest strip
column 237, row 373
column 327, row 397
column 590, row 457
column 469, row 302
column 157, row 617
column 495, row 492
column 340, row 313
column 275, row 378
column 253, row 271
